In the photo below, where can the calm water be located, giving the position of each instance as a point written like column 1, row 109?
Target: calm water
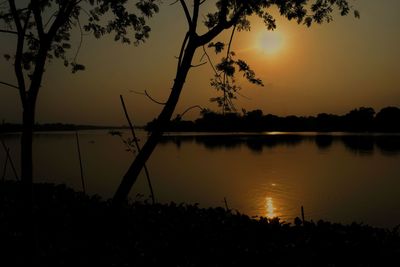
column 340, row 178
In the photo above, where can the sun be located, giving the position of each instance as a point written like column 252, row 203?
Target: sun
column 270, row 42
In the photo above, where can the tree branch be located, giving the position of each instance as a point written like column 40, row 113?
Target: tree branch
column 198, row 65
column 80, row 40
column 8, row 31
column 148, row 96
column 137, row 147
column 62, row 17
column 225, row 81
column 15, row 16
column 30, row 35
column 19, row 50
column 9, row 84
column 223, row 24
column 212, row 65
column 188, row 109
column 196, row 7
column 6, row 16
column 242, row 95
column 230, row 40
column 152, row 99
column 38, row 18
column 51, row 17
column 63, row 14
column 187, row 14
column 182, row 50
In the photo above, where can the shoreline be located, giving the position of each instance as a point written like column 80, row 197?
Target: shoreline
column 74, row 228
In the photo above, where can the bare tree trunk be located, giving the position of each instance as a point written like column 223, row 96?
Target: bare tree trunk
column 26, row 189
column 26, row 157
column 163, row 119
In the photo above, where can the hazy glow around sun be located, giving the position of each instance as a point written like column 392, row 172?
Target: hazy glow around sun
column 269, row 42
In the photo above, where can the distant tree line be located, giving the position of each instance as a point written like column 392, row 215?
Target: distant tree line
column 363, row 119
column 48, row 127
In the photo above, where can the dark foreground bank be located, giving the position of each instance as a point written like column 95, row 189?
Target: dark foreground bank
column 72, row 229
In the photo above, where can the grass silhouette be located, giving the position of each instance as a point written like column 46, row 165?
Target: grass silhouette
column 73, row 228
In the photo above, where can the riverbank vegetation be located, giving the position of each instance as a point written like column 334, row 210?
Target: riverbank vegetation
column 363, row 119
column 72, row 228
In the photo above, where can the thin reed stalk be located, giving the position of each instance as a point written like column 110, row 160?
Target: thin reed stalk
column 80, row 163
column 226, row 204
column 138, row 148
column 7, row 150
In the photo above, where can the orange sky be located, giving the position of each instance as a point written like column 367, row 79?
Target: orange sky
column 327, row 68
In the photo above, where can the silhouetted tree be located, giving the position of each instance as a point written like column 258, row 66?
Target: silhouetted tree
column 42, row 31
column 388, row 120
column 359, row 119
column 253, row 120
column 362, row 119
column 228, row 14
column 327, row 122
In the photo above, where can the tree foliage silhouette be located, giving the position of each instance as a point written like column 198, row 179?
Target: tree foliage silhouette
column 42, row 31
column 227, row 14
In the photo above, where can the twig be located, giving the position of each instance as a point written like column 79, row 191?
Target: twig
column 9, row 84
column 10, row 15
column 86, row 12
column 230, row 41
column 198, row 65
column 152, row 99
column 137, row 147
column 242, row 95
column 30, row 35
column 225, row 79
column 80, row 41
column 80, row 163
column 190, row 108
column 145, row 93
column 136, row 92
column 212, row 65
column 9, row 158
column 51, row 17
column 226, row 204
column 8, row 31
column 4, row 169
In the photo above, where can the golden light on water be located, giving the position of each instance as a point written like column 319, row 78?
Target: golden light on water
column 269, row 206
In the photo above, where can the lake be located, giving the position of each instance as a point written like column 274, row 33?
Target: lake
column 337, row 177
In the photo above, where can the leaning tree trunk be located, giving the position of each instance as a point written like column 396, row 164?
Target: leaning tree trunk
column 163, row 119
column 28, row 122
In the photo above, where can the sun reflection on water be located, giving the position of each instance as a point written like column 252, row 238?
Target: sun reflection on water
column 275, row 199
column 269, row 206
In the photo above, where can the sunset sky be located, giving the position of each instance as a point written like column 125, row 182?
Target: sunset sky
column 329, row 68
